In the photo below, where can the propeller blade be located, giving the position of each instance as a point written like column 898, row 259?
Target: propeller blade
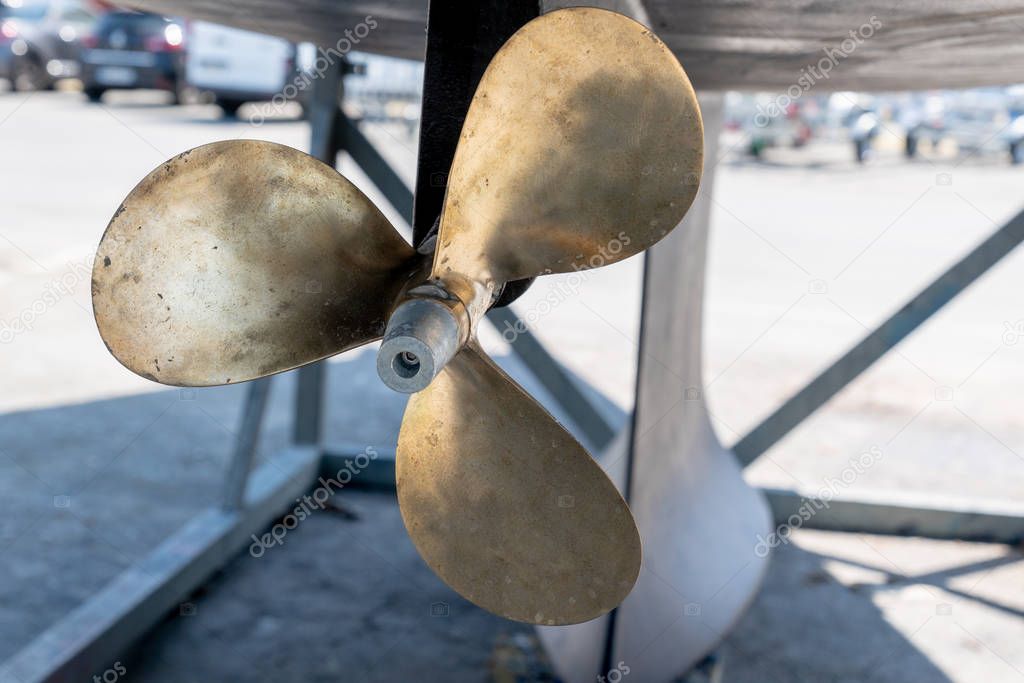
column 241, row 259
column 505, row 506
column 583, row 146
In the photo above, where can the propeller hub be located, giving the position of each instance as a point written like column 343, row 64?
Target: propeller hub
column 422, row 336
column 425, row 331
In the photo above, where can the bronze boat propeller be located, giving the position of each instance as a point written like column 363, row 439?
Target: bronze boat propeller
column 240, row 259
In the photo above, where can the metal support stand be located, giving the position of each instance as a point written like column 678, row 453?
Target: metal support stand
column 309, row 398
column 893, row 513
column 462, row 39
column 94, row 635
column 324, row 119
column 879, row 342
column 245, row 444
column 103, row 628
column 100, row 630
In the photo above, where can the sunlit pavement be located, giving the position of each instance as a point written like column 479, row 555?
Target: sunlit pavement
column 808, row 251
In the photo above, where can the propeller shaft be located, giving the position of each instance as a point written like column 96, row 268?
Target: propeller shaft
column 428, row 328
column 422, row 335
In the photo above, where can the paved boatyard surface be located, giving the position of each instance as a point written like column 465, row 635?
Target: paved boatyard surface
column 808, row 251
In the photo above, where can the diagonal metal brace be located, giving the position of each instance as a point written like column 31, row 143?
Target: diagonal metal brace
column 876, row 344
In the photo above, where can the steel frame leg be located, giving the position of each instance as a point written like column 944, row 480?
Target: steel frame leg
column 91, row 637
column 237, row 478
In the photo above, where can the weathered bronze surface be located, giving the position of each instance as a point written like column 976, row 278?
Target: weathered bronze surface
column 583, row 146
column 505, row 505
column 241, row 259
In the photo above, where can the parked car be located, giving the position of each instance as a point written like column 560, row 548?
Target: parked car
column 237, row 66
column 130, row 50
column 40, row 40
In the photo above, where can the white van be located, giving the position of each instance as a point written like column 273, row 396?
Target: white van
column 237, row 66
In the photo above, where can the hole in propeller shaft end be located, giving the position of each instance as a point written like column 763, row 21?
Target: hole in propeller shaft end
column 406, row 364
column 422, row 335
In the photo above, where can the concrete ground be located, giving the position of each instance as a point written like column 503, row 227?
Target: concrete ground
column 807, row 252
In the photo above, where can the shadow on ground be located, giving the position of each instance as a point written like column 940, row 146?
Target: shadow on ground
column 89, row 489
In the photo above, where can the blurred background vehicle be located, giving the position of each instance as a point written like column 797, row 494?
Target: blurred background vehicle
column 388, row 92
column 237, row 66
column 986, row 121
column 768, row 121
column 826, row 127
column 130, row 50
column 40, row 40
